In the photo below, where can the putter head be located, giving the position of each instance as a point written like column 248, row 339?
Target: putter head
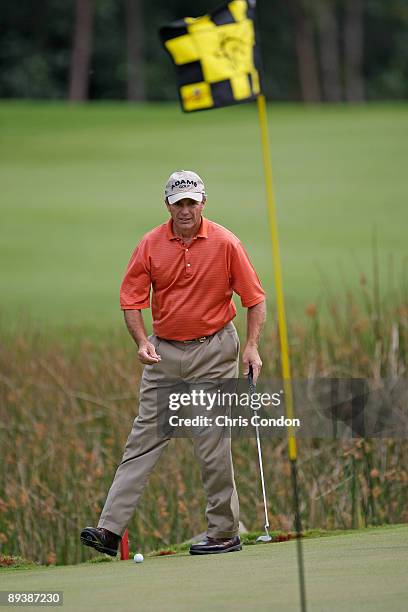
column 264, row 538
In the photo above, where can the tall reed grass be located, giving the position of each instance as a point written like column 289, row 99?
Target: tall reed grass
column 66, row 411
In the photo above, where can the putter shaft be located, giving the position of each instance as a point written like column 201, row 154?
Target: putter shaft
column 252, row 388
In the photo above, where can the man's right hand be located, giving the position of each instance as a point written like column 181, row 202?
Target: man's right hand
column 134, row 322
column 147, row 353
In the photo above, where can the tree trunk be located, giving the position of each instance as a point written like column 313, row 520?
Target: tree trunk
column 81, row 51
column 329, row 50
column 135, row 43
column 353, row 50
column 306, row 52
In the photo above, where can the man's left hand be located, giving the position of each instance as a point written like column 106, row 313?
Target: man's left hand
column 250, row 356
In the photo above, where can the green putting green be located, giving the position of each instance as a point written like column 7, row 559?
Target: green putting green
column 80, row 186
column 365, row 571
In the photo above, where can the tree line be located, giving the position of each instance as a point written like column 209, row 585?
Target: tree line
column 313, row 50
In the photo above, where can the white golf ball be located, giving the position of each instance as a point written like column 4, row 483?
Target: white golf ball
column 138, row 558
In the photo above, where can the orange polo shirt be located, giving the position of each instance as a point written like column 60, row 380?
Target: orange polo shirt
column 191, row 286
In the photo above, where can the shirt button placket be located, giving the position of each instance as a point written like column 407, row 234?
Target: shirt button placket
column 187, row 262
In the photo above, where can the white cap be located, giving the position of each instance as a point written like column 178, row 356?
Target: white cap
column 184, row 184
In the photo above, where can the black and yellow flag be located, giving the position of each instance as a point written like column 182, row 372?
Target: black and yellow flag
column 216, row 56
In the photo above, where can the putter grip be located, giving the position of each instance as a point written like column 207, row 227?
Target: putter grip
column 251, row 380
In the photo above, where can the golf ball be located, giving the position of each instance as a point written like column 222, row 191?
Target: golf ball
column 138, row 558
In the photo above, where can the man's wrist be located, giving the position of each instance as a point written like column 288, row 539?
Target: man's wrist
column 252, row 343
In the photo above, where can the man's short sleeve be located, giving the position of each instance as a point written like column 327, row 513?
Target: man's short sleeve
column 244, row 279
column 135, row 288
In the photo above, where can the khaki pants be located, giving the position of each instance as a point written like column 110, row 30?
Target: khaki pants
column 215, row 358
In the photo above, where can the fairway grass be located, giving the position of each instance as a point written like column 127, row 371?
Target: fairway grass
column 81, row 185
column 365, row 571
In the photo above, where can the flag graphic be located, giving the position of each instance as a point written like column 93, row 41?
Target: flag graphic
column 216, row 56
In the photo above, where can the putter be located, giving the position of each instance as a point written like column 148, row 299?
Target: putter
column 266, row 537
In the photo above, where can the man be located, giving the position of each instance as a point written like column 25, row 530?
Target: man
column 192, row 266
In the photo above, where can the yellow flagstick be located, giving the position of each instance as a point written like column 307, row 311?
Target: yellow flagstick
column 277, row 269
column 283, row 334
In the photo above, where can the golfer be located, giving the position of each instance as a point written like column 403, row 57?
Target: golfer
column 192, row 266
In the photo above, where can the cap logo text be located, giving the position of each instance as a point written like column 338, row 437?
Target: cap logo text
column 183, row 183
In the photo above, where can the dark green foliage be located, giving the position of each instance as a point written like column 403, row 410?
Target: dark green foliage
column 35, row 48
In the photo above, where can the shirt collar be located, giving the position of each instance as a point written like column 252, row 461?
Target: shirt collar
column 202, row 231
